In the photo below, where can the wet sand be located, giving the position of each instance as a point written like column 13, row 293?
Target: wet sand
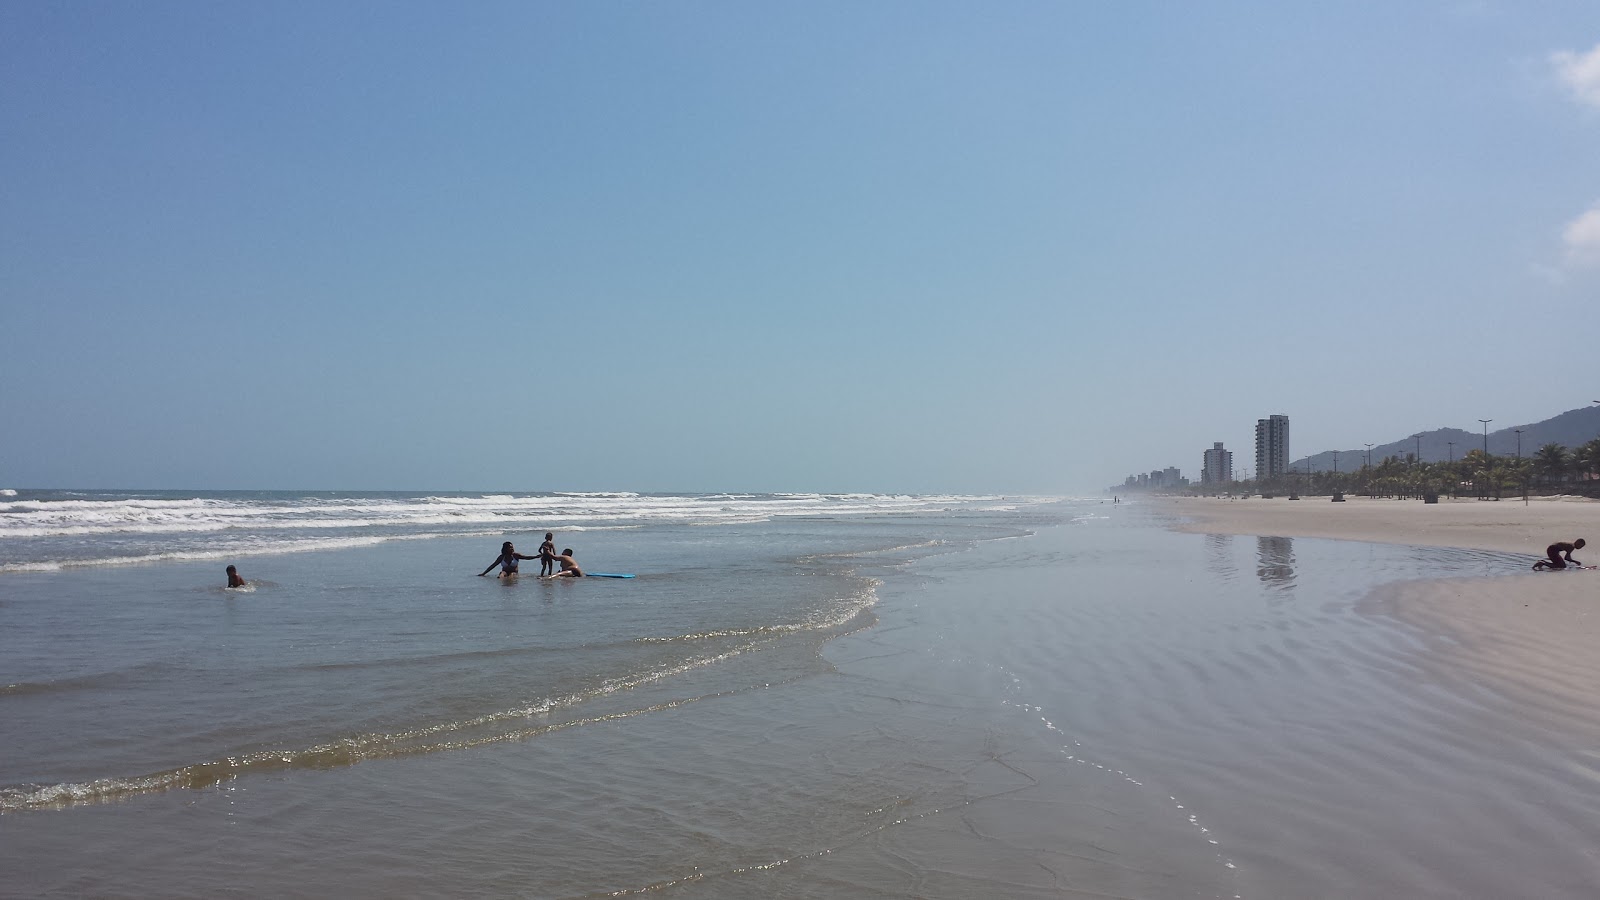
column 1272, row 717
column 1524, row 642
column 1538, row 630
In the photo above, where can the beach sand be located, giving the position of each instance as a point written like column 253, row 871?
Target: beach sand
column 1531, row 637
column 1511, row 526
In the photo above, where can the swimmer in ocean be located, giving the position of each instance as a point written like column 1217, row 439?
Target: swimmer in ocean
column 234, row 581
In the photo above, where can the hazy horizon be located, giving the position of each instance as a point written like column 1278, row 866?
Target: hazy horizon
column 899, row 248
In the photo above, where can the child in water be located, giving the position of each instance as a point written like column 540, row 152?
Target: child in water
column 547, row 554
column 234, row 581
column 507, row 561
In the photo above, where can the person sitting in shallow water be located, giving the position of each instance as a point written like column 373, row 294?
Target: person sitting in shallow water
column 569, row 566
column 1555, row 552
column 234, row 581
column 507, row 561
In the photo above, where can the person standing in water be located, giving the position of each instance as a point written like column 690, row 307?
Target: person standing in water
column 507, row 561
column 547, row 554
column 234, row 581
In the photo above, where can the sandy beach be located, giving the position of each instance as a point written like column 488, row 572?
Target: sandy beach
column 1511, row 526
column 1530, row 636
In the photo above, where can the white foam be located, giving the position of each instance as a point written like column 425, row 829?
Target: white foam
column 63, row 518
column 231, row 551
column 211, row 527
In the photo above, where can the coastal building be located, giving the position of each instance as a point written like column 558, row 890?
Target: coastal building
column 1216, row 465
column 1155, row 479
column 1272, row 447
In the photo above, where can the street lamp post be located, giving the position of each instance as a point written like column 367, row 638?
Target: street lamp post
column 1418, row 436
column 1369, row 453
column 1484, row 491
column 1519, row 463
column 1452, row 445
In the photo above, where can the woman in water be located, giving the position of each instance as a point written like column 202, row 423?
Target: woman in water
column 507, row 561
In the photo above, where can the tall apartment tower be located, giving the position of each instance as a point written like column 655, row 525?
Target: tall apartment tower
column 1272, row 447
column 1217, row 465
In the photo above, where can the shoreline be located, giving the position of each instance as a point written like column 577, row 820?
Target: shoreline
column 1529, row 637
column 1508, row 526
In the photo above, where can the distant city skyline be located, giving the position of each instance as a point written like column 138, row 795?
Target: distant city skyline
column 1569, row 428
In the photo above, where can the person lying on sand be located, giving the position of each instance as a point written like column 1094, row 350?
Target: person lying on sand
column 569, row 566
column 1555, row 551
column 234, row 581
column 507, row 561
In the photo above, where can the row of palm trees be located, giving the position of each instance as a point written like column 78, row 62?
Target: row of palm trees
column 1551, row 469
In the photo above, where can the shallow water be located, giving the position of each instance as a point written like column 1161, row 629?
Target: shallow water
column 120, row 680
column 929, row 705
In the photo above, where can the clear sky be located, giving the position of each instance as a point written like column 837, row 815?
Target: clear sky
column 839, row 246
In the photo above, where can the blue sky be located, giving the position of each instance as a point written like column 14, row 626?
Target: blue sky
column 890, row 246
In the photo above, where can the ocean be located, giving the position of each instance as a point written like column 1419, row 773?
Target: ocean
column 798, row 695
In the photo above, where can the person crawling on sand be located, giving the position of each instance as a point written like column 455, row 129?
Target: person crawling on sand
column 547, row 554
column 569, row 566
column 1556, row 551
column 507, row 561
column 234, row 581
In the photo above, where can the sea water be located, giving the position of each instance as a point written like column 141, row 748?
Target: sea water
column 127, row 666
column 799, row 696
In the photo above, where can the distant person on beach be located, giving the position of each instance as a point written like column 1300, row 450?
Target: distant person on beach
column 569, row 566
column 507, row 561
column 234, row 581
column 547, row 554
column 1556, row 551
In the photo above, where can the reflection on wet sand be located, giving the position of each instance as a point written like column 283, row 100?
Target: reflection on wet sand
column 1219, row 556
column 1275, row 562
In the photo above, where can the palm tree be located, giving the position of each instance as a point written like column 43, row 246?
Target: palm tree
column 1551, row 462
column 1478, row 467
column 1513, row 473
column 1587, row 458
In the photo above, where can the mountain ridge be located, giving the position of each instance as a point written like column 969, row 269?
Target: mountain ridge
column 1569, row 429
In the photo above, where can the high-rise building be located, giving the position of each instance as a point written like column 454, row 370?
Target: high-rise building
column 1217, row 465
column 1272, row 447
